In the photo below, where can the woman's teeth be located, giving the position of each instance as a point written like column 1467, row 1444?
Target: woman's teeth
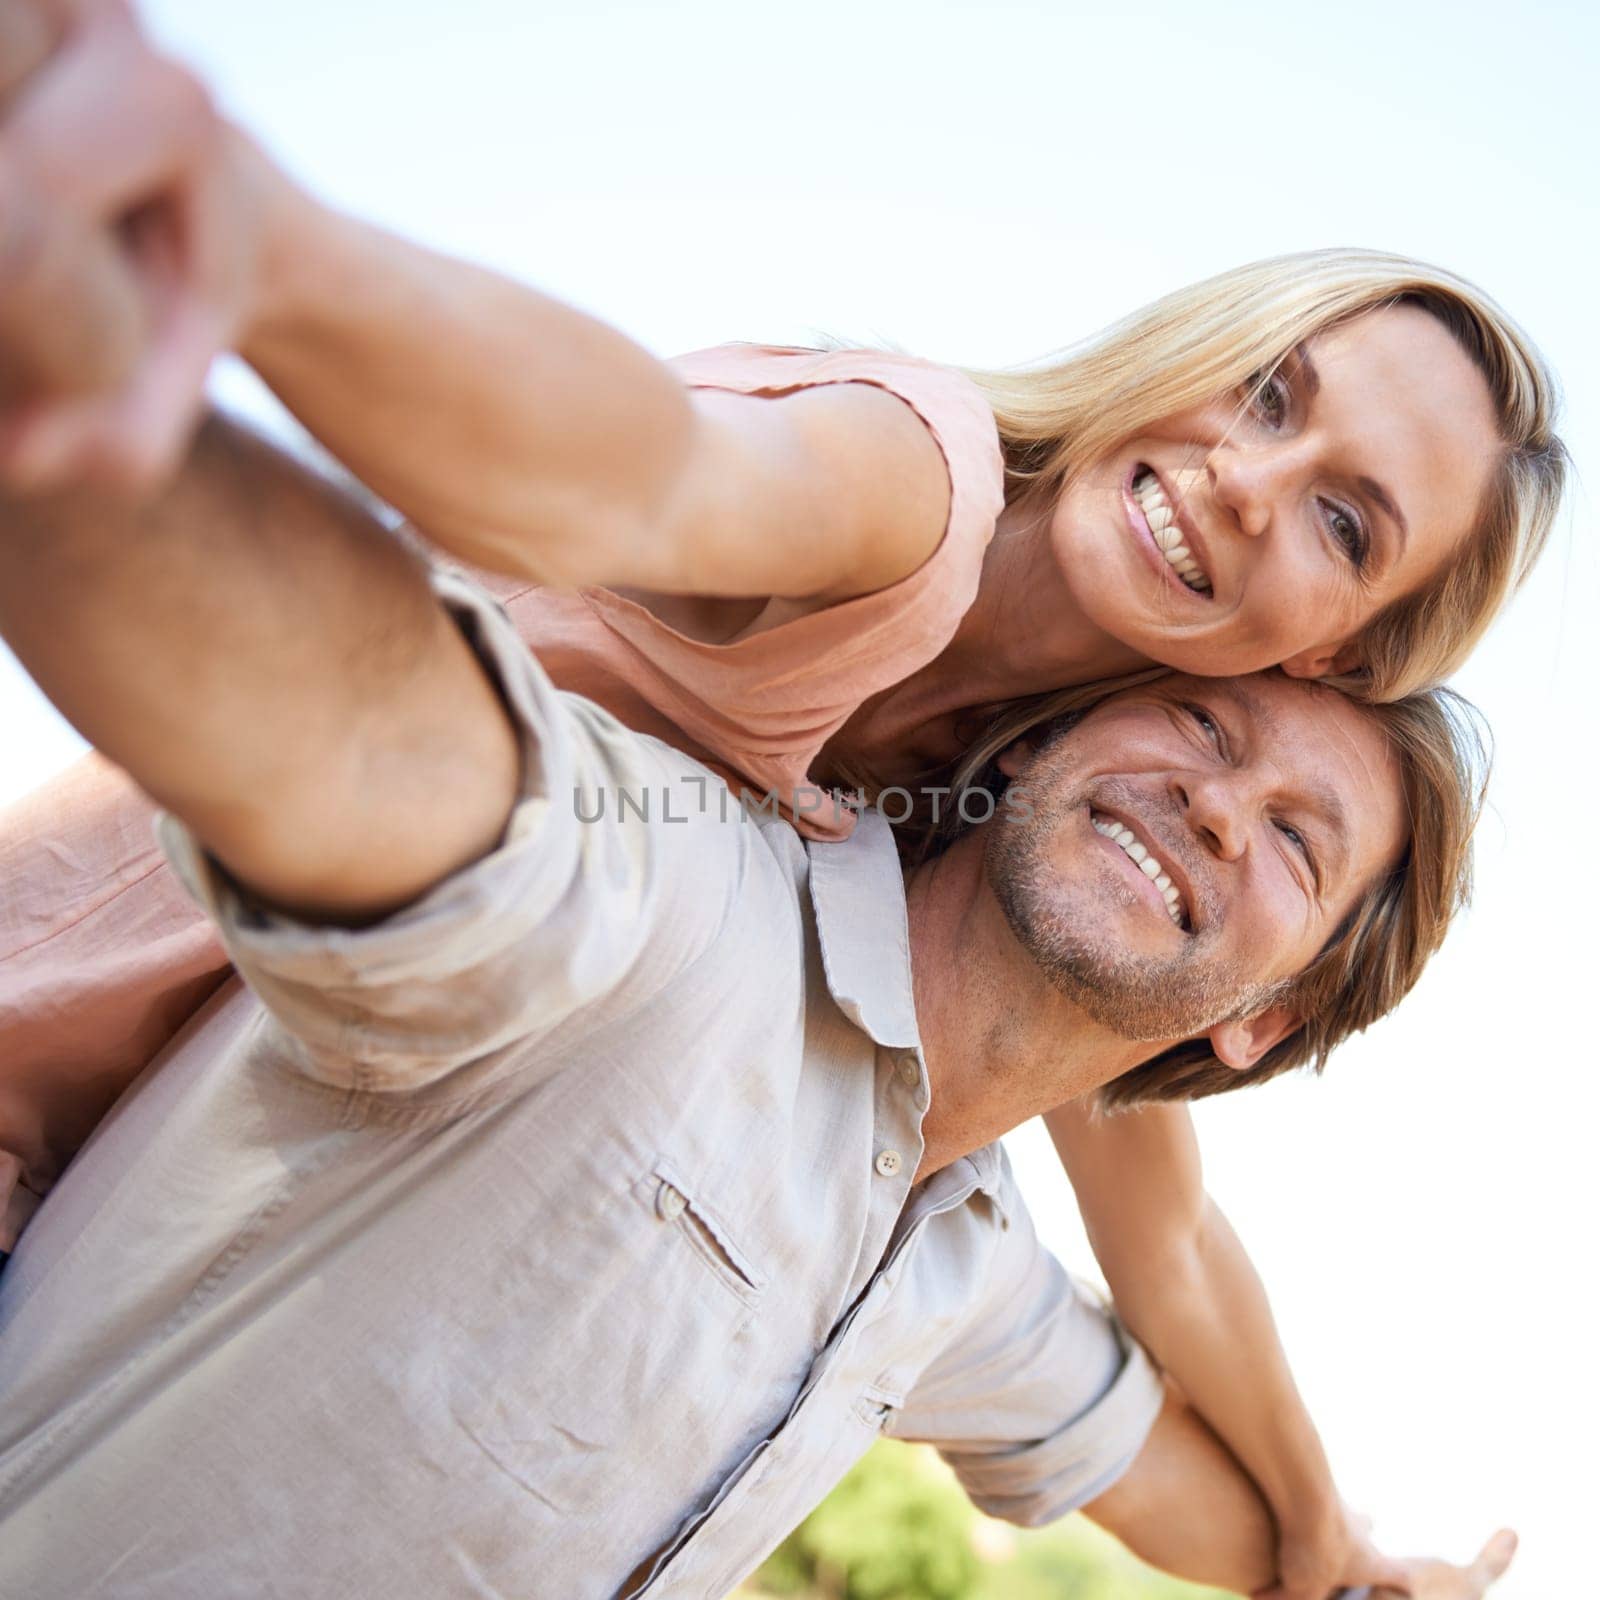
column 1163, row 524
column 1145, row 862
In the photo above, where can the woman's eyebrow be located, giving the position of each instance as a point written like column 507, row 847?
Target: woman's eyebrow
column 1385, row 502
column 1306, row 369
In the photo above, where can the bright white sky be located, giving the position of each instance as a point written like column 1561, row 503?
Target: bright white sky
column 985, row 182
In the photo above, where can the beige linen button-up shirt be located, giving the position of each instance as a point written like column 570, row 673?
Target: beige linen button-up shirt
column 559, row 1223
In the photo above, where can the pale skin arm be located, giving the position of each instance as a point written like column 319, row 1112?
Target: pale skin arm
column 519, row 433
column 1185, row 1287
column 530, row 438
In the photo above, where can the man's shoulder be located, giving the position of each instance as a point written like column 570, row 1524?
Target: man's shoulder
column 647, row 781
column 614, row 774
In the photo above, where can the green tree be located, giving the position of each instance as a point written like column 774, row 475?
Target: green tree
column 898, row 1527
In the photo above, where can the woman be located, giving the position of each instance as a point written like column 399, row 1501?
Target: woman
column 1340, row 463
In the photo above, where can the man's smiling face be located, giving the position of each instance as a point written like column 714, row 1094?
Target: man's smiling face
column 1192, row 847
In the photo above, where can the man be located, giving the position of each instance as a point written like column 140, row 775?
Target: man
column 580, row 1198
column 69, row 150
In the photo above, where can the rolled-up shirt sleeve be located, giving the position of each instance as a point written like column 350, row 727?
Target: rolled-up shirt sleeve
column 1045, row 1400
column 582, row 904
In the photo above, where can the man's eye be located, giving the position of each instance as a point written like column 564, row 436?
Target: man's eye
column 1296, row 838
column 1207, row 722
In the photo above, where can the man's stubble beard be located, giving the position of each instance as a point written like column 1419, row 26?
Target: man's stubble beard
column 1058, row 922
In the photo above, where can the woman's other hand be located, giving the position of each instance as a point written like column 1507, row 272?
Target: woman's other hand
column 1331, row 1554
column 1439, row 1580
column 1344, row 1561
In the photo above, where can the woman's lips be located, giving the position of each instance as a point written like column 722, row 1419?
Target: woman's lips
column 1161, row 561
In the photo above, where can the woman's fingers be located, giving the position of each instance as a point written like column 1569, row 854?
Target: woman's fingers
column 108, row 125
column 1385, row 1572
column 72, row 317
column 131, row 441
column 71, row 313
column 1439, row 1580
column 147, row 427
column 117, row 267
column 28, row 38
column 40, row 443
column 1491, row 1561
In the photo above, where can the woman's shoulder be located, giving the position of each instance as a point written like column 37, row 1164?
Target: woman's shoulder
column 950, row 404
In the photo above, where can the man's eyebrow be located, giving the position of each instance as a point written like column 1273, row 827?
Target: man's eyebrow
column 1320, row 797
column 1306, row 370
column 1325, row 800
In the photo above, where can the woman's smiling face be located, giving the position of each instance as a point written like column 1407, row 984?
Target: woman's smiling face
column 1244, row 535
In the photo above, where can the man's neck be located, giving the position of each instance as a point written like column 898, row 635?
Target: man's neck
column 1002, row 1045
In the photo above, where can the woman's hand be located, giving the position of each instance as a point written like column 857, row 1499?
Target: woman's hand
column 131, row 230
column 1333, row 1553
column 1185, row 1287
column 1344, row 1561
column 1424, row 1579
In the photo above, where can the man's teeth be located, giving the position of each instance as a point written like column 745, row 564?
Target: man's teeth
column 1163, row 521
column 1145, row 862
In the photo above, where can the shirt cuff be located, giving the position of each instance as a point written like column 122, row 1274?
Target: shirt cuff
column 1044, row 1480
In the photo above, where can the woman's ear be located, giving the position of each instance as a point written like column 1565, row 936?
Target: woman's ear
column 1323, row 661
column 1241, row 1045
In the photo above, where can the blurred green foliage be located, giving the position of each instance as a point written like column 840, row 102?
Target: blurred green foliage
column 898, row 1527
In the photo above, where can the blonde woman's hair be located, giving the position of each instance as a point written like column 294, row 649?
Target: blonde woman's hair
column 1058, row 418
column 1377, row 953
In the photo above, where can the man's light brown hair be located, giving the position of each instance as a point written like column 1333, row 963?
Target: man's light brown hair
column 1377, row 953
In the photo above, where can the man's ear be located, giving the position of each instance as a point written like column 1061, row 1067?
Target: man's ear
column 1241, row 1045
column 1323, row 661
column 1016, row 756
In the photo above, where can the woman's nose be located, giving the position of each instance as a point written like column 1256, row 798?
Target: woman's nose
column 1245, row 484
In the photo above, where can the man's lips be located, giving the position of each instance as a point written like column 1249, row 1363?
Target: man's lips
column 1163, row 883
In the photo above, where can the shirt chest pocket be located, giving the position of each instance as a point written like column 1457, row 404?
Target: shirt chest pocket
column 691, row 1222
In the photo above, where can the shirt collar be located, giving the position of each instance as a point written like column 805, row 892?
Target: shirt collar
column 859, row 894
column 992, row 1170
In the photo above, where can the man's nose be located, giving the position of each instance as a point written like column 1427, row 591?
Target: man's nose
column 1217, row 806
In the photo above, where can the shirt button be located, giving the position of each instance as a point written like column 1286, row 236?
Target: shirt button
column 669, row 1203
column 888, row 1163
column 910, row 1072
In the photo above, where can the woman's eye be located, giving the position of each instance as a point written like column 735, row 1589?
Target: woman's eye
column 1269, row 398
column 1349, row 533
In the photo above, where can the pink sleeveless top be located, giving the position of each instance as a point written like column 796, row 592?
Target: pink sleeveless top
column 104, row 958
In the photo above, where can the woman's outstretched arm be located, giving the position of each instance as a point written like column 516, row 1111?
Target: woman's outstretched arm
column 1185, row 1287
column 527, row 437
column 516, row 431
